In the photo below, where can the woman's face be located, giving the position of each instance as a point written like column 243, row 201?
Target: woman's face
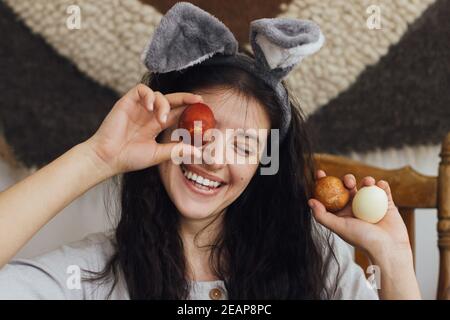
column 185, row 183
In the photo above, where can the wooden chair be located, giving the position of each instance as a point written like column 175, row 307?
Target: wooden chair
column 411, row 190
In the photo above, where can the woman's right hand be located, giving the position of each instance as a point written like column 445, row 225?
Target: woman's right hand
column 126, row 141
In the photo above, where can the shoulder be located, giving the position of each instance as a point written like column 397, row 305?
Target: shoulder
column 90, row 253
column 344, row 277
column 58, row 274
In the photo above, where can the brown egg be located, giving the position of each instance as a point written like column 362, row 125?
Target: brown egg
column 332, row 193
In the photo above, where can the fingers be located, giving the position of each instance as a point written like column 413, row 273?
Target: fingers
column 367, row 181
column 167, row 151
column 320, row 174
column 155, row 101
column 145, row 96
column 156, row 126
column 139, row 95
column 164, row 103
column 350, row 183
column 162, row 107
column 349, row 180
column 385, row 186
column 182, row 98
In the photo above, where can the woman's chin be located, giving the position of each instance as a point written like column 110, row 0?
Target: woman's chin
column 195, row 212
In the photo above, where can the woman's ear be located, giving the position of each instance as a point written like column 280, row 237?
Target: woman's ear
column 187, row 35
column 279, row 44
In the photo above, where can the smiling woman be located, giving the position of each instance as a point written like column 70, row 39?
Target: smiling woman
column 252, row 237
column 205, row 229
column 223, row 221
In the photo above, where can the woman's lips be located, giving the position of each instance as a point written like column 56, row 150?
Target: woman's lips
column 196, row 188
column 202, row 173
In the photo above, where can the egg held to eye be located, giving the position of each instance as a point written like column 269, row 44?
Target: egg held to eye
column 370, row 204
column 332, row 193
column 197, row 118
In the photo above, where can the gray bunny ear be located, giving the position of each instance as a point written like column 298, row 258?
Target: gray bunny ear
column 187, row 35
column 279, row 44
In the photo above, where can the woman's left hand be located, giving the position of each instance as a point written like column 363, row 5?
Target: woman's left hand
column 388, row 234
column 386, row 242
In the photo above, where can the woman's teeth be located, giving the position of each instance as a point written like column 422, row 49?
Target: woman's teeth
column 200, row 180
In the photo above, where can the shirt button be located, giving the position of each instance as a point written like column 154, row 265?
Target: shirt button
column 215, row 294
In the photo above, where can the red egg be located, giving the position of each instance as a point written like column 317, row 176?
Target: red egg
column 197, row 119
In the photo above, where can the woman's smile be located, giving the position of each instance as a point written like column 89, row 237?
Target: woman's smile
column 200, row 181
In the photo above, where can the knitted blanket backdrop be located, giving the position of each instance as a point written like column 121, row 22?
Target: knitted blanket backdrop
column 365, row 90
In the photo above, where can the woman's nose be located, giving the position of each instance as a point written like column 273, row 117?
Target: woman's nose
column 214, row 166
column 213, row 154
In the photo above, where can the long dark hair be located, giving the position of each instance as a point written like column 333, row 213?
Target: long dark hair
column 268, row 246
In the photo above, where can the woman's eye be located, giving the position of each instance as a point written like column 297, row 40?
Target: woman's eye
column 243, row 150
column 244, row 146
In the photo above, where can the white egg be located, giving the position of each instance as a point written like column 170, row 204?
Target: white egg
column 370, row 204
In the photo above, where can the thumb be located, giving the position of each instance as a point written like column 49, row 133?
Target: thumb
column 177, row 151
column 327, row 219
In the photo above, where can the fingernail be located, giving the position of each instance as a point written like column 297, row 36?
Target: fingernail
column 164, row 118
column 150, row 107
column 311, row 204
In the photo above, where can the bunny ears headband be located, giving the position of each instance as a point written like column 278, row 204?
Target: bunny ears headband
column 187, row 36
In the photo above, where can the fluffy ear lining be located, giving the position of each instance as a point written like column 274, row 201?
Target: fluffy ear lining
column 283, row 43
column 187, row 35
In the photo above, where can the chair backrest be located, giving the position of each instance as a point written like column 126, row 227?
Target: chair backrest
column 411, row 190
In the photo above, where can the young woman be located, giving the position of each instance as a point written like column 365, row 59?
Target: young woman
column 250, row 236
